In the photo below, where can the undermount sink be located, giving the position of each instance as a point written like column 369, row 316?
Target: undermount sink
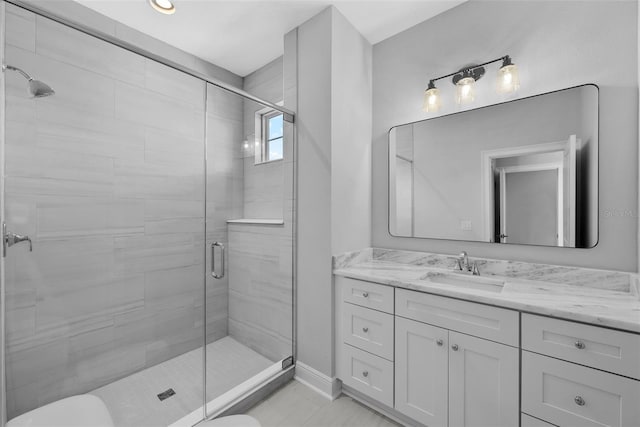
column 463, row 281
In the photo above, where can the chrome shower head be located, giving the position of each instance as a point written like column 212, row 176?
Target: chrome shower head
column 37, row 89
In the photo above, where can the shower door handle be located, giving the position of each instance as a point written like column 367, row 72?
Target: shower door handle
column 213, row 260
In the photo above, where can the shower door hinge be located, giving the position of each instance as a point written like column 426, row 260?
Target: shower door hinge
column 287, row 362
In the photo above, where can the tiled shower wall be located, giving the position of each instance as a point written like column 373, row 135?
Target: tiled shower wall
column 107, row 177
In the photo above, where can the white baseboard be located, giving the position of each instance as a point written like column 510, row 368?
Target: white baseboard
column 316, row 380
column 388, row 412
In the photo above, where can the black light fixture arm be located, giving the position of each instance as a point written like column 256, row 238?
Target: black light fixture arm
column 506, row 60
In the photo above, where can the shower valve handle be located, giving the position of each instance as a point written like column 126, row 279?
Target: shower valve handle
column 9, row 239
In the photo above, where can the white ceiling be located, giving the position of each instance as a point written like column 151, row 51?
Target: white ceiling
column 243, row 35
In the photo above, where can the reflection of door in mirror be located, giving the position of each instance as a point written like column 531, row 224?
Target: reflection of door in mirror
column 529, row 207
column 535, row 196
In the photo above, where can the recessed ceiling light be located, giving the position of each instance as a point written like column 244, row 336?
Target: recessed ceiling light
column 163, row 6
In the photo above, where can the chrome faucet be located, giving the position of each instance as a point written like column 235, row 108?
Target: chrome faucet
column 462, row 264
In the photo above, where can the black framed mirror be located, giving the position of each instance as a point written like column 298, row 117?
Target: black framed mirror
column 520, row 172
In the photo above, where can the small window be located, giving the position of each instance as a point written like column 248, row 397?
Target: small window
column 272, row 137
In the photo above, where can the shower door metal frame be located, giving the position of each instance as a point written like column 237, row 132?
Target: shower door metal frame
column 3, row 390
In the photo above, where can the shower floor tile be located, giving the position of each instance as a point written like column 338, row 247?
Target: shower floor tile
column 133, row 401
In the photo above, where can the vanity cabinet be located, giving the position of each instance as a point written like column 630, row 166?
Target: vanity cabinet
column 444, row 377
column 437, row 360
column 441, row 361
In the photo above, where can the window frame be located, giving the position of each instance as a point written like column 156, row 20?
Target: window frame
column 262, row 129
column 266, row 142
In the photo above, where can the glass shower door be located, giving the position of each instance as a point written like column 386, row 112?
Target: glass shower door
column 249, row 223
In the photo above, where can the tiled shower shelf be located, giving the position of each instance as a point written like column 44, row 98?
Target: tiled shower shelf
column 275, row 221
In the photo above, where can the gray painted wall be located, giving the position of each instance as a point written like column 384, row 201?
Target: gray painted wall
column 314, row 312
column 334, row 86
column 555, row 46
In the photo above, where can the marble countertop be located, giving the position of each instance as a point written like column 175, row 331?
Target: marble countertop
column 599, row 297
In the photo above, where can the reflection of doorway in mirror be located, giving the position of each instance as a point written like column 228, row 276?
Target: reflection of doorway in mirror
column 530, row 194
column 529, row 206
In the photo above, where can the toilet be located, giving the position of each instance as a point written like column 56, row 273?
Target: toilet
column 232, row 421
column 83, row 410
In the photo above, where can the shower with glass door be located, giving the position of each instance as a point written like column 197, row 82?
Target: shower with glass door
column 160, row 272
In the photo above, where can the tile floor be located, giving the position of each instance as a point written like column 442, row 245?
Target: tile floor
column 297, row 405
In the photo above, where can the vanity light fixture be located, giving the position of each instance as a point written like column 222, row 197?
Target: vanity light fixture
column 465, row 80
column 163, row 6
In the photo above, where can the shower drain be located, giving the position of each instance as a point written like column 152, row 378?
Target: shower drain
column 166, row 394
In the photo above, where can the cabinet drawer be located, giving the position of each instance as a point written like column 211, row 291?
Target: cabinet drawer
column 567, row 394
column 600, row 348
column 367, row 294
column 369, row 374
column 367, row 329
column 492, row 323
column 529, row 421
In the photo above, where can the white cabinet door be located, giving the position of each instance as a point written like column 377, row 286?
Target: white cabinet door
column 421, row 372
column 483, row 383
column 568, row 394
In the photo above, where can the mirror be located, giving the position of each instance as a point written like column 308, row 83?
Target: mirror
column 520, row 172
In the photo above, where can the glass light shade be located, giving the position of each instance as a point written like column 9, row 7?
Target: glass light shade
column 432, row 100
column 466, row 90
column 507, row 80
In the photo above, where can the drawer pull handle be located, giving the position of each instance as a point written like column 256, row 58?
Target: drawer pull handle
column 440, row 342
column 579, row 401
column 580, row 345
column 365, row 294
column 454, row 347
column 365, row 329
column 366, row 374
